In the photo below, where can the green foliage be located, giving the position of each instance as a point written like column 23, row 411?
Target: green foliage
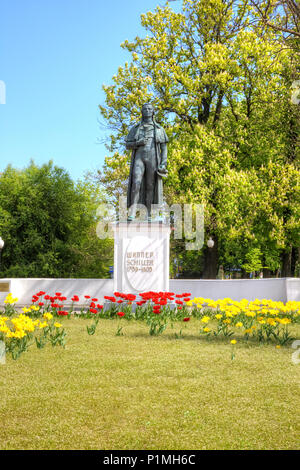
column 283, row 17
column 253, row 260
column 220, row 81
column 49, row 225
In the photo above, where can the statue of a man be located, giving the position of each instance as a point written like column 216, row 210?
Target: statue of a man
column 148, row 142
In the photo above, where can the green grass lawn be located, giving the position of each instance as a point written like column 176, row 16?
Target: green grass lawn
column 141, row 392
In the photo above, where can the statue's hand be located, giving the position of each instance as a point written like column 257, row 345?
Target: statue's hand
column 162, row 168
column 141, row 142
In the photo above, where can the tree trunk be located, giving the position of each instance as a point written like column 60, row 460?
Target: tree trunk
column 286, row 270
column 244, row 274
column 297, row 270
column 294, row 260
column 211, row 261
column 267, row 273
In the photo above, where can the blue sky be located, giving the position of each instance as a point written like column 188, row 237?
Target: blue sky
column 54, row 57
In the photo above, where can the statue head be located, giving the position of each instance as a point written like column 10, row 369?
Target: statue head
column 147, row 110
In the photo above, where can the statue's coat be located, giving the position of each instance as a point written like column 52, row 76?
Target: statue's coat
column 160, row 138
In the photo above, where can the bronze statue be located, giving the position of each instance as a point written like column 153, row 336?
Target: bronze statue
column 148, row 142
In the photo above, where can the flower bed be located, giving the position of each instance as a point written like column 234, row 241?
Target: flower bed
column 263, row 320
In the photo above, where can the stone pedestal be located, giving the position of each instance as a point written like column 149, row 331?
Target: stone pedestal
column 141, row 257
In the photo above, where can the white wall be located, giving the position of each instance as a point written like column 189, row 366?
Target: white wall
column 237, row 289
column 276, row 289
column 293, row 289
column 24, row 288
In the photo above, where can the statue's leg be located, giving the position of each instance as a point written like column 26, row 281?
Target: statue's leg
column 137, row 177
column 150, row 181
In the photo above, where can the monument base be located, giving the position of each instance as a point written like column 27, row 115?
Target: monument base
column 141, row 257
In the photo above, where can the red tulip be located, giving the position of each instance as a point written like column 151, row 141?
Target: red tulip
column 131, row 297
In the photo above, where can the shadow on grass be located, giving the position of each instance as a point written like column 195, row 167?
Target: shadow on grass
column 205, row 339
column 170, row 335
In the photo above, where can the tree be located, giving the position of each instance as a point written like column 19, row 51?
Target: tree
column 217, row 80
column 48, row 224
column 282, row 16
